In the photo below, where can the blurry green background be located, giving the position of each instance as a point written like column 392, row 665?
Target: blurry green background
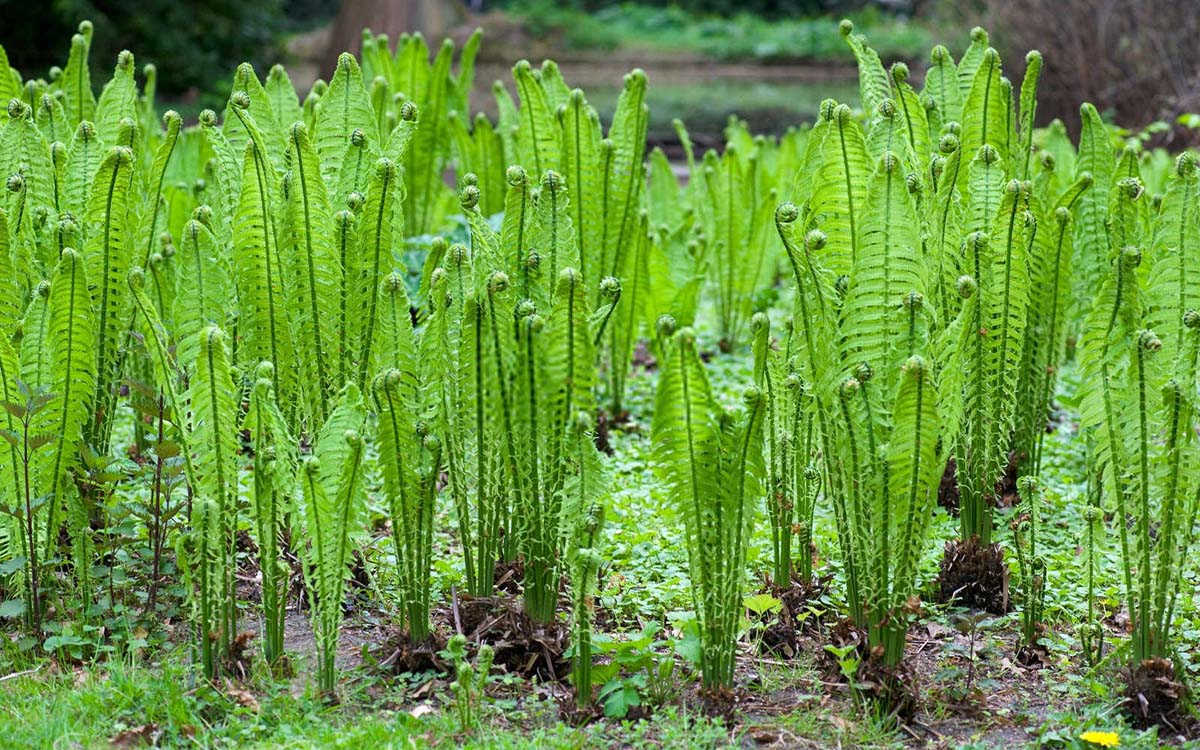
column 770, row 61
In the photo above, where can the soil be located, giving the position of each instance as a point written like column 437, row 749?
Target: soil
column 941, row 666
column 780, row 630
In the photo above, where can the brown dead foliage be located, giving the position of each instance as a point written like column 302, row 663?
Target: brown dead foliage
column 522, row 646
column 974, row 575
column 1154, row 696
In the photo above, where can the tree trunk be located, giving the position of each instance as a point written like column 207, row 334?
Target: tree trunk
column 433, row 18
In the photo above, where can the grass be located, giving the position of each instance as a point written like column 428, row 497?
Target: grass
column 102, row 705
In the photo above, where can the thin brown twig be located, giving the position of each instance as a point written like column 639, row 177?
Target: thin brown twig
column 454, row 609
column 24, row 673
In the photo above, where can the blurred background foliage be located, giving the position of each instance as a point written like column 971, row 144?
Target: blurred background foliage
column 769, row 60
column 195, row 44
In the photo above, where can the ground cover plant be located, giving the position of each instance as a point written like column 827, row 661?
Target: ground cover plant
column 354, row 408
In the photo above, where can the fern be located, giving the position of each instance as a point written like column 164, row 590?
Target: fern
column 554, row 386
column 581, row 152
column 409, row 459
column 866, row 361
column 1050, row 258
column 331, row 481
column 1097, row 158
column 839, row 188
column 316, row 271
column 109, row 231
column 72, row 334
column 793, row 482
column 345, row 108
column 434, row 96
column 711, row 464
column 203, row 290
column 583, row 504
column 275, row 462
column 992, row 342
column 76, row 82
column 538, row 139
column 373, row 260
column 214, row 507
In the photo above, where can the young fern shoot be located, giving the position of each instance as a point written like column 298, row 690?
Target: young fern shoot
column 331, row 481
column 1031, row 566
column 710, row 461
column 409, row 458
column 583, row 506
column 793, row 480
column 274, row 466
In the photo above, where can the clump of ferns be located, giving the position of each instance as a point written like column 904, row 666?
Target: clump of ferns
column 274, row 462
column 584, row 507
column 987, row 341
column 878, row 407
column 208, row 448
column 1140, row 356
column 410, row 458
column 738, row 203
column 1031, row 567
column 793, row 479
column 331, row 482
column 1155, row 475
column 527, row 351
column 710, row 460
column 457, row 341
column 553, row 385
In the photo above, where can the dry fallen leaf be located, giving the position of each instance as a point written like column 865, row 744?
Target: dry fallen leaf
column 764, row 735
column 422, row 709
column 146, row 734
column 241, row 695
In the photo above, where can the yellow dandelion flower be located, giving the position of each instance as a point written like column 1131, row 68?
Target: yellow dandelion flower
column 1103, row 739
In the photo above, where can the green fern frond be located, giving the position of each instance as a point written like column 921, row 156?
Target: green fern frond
column 118, row 100
column 373, row 262
column 72, row 335
column 107, row 251
column 203, row 290
column 887, row 269
column 538, row 143
column 332, row 486
column 942, row 88
column 314, row 272
column 581, row 154
column 345, row 107
column 839, row 190
column 76, row 82
column 986, row 110
column 873, row 82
